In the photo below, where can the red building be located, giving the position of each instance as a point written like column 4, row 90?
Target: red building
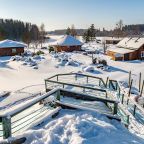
column 67, row 43
column 130, row 48
column 11, row 48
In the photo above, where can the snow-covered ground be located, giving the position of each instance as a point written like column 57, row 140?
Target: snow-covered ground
column 26, row 82
column 80, row 127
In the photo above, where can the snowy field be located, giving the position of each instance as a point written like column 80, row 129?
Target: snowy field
column 24, row 78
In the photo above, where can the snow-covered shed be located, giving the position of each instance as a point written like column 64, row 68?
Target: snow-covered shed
column 67, row 43
column 130, row 48
column 112, row 40
column 10, row 48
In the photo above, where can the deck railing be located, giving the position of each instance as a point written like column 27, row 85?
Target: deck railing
column 132, row 106
column 23, row 117
column 87, row 84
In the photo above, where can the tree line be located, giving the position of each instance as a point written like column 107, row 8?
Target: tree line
column 22, row 31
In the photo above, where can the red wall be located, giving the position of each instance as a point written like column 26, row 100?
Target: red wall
column 8, row 51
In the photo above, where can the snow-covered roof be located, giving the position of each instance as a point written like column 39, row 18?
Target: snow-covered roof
column 131, row 43
column 109, row 38
column 120, row 50
column 67, row 40
column 11, row 43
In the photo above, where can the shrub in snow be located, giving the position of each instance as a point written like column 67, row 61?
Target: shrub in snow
column 25, row 63
column 85, row 53
column 33, row 63
column 51, row 49
column 104, row 62
column 37, row 57
column 89, row 69
column 35, row 67
column 52, row 52
column 39, row 52
column 94, row 61
column 44, row 48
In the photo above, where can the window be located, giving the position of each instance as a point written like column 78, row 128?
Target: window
column 14, row 50
column 142, row 54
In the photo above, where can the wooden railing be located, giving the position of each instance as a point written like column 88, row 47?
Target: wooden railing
column 22, row 117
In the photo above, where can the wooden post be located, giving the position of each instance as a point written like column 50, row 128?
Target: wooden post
column 129, row 91
column 115, row 108
column 128, row 119
column 130, row 88
column 57, row 77
column 122, row 98
column 119, row 92
column 87, row 79
column 140, row 82
column 92, row 57
column 106, row 95
column 107, row 81
column 76, row 77
column 99, row 82
column 45, row 86
column 58, row 95
column 134, row 110
column 6, row 123
column 129, row 78
column 142, row 89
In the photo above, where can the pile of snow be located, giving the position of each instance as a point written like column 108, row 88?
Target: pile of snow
column 31, row 61
column 80, row 127
column 89, row 69
column 64, row 59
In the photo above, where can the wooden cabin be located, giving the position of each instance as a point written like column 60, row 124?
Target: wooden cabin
column 130, row 48
column 11, row 48
column 109, row 40
column 67, row 43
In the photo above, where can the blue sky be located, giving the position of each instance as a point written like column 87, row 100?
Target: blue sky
column 59, row 14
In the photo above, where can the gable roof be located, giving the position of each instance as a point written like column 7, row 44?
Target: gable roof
column 131, row 43
column 120, row 50
column 67, row 40
column 10, row 43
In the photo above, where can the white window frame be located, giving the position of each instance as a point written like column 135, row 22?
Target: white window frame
column 14, row 50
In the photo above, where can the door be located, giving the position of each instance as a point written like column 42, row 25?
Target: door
column 126, row 56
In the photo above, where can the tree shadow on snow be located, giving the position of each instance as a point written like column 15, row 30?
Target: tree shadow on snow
column 114, row 69
column 5, row 65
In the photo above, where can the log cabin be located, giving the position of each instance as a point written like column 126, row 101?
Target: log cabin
column 11, row 48
column 67, row 43
column 130, row 48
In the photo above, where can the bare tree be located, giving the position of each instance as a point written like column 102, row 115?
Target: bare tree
column 73, row 31
column 35, row 37
column 104, row 45
column 42, row 34
column 119, row 28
